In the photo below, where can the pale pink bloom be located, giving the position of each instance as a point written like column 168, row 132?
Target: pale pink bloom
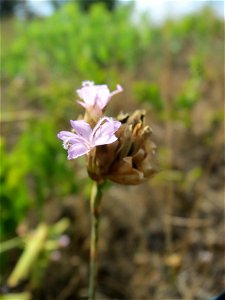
column 84, row 139
column 56, row 255
column 64, row 240
column 95, row 97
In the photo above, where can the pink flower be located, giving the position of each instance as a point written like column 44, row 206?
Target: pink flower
column 64, row 240
column 95, row 97
column 84, row 139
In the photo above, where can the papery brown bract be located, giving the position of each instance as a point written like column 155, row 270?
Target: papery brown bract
column 129, row 160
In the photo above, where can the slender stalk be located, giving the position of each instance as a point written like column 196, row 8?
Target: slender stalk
column 95, row 200
column 10, row 244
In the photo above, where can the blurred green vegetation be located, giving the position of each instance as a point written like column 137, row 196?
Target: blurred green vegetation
column 45, row 59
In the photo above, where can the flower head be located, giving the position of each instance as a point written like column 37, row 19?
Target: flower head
column 95, row 97
column 118, row 150
column 84, row 138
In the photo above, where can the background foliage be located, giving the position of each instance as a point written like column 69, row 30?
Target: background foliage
column 174, row 70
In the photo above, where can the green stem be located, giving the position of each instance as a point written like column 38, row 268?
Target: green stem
column 10, row 244
column 96, row 195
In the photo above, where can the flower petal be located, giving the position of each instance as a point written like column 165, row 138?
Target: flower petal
column 88, row 94
column 62, row 135
column 103, row 132
column 103, row 96
column 69, row 137
column 87, row 83
column 77, row 149
column 119, row 90
column 82, row 128
column 106, row 139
